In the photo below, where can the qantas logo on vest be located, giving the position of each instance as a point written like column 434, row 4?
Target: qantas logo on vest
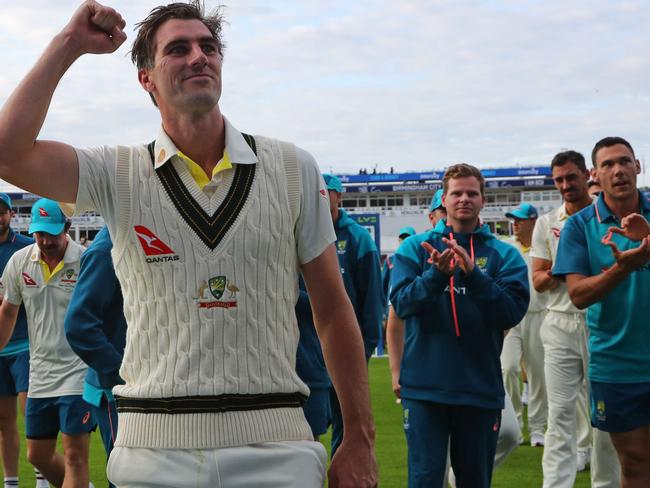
column 154, row 249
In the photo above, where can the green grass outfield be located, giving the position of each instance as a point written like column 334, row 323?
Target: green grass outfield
column 521, row 470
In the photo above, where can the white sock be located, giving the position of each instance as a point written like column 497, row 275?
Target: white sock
column 11, row 481
column 41, row 482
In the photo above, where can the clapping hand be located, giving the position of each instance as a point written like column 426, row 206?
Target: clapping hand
column 444, row 260
column 635, row 227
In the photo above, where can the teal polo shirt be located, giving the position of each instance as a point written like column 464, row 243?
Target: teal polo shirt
column 619, row 325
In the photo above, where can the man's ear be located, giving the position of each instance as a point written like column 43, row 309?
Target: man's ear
column 145, row 80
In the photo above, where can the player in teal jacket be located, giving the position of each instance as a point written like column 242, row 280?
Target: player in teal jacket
column 361, row 272
column 458, row 288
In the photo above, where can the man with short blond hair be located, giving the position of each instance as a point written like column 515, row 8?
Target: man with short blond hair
column 457, row 288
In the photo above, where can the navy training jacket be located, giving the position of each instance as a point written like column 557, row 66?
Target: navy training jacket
column 457, row 361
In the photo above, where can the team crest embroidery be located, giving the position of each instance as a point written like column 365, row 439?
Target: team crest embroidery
column 218, row 286
column 69, row 277
column 600, row 410
column 28, row 280
column 482, row 263
column 341, row 246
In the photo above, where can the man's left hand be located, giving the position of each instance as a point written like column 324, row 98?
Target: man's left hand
column 635, row 227
column 462, row 258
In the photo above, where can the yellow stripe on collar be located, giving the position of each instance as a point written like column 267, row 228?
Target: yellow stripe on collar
column 46, row 269
column 197, row 172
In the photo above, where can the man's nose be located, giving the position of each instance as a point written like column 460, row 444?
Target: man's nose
column 197, row 56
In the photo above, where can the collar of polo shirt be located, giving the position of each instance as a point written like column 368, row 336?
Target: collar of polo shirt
column 237, row 151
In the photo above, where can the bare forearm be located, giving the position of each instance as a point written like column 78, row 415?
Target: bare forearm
column 7, row 323
column 395, row 339
column 24, row 112
column 585, row 291
column 542, row 281
column 344, row 355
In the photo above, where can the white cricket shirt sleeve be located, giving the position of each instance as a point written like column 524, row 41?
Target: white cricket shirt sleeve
column 540, row 246
column 11, row 280
column 97, row 181
column 314, row 229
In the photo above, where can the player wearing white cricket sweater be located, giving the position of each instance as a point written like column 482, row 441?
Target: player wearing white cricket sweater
column 210, row 227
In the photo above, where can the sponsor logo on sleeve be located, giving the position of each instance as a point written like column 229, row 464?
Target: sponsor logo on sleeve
column 155, row 250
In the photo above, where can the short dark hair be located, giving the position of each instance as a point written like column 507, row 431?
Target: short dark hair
column 561, row 158
column 143, row 50
column 609, row 142
column 462, row 170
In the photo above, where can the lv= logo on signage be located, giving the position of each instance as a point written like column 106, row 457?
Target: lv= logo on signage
column 155, row 250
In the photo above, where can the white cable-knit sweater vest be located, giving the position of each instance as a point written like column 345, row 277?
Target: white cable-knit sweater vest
column 209, row 291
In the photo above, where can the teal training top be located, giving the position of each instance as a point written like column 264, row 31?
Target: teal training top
column 619, row 325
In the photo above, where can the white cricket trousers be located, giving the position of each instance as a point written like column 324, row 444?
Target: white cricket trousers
column 564, row 336
column 299, row 464
column 524, row 341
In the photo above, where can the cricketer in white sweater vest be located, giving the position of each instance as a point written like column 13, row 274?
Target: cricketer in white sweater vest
column 209, row 284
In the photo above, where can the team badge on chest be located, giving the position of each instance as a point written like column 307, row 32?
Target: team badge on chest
column 218, row 286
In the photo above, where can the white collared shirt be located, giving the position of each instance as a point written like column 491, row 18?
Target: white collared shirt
column 546, row 237
column 54, row 369
column 314, row 230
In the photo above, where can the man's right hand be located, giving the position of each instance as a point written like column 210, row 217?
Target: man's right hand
column 395, row 384
column 632, row 259
column 444, row 260
column 95, row 29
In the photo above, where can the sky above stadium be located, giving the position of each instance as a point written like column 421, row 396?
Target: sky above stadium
column 413, row 85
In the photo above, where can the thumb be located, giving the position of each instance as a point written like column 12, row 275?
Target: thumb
column 614, row 230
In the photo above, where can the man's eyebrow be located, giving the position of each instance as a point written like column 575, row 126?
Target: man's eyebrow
column 187, row 40
column 613, row 160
